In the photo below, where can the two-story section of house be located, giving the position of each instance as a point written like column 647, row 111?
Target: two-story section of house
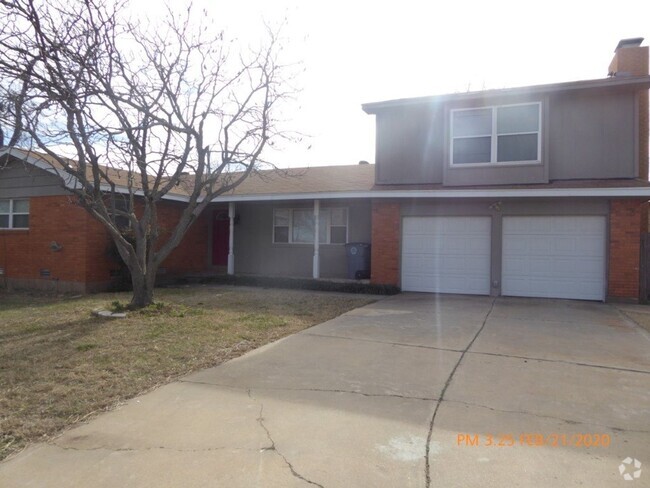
column 538, row 191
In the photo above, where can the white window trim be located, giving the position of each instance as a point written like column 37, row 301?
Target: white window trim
column 328, row 232
column 12, row 213
column 494, row 138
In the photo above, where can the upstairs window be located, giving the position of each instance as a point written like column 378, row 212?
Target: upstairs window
column 296, row 226
column 14, row 214
column 492, row 135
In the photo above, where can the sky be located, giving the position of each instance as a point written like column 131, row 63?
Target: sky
column 355, row 52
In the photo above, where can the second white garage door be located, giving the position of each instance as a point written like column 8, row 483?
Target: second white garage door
column 554, row 257
column 446, row 254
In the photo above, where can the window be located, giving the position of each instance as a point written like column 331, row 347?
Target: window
column 492, row 135
column 296, row 226
column 14, row 214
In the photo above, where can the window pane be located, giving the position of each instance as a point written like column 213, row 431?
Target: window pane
column 338, row 216
column 281, row 217
column 4, row 206
column 338, row 235
column 281, row 234
column 303, row 226
column 21, row 221
column 322, row 226
column 472, row 150
column 520, row 118
column 517, row 148
column 21, row 206
column 473, row 122
column 4, row 221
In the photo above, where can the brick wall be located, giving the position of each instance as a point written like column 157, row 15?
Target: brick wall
column 25, row 253
column 83, row 264
column 385, row 243
column 191, row 255
column 626, row 223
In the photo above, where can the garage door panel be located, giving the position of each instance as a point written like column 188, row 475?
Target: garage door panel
column 446, row 254
column 554, row 257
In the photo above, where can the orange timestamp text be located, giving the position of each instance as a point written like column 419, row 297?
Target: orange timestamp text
column 533, row 439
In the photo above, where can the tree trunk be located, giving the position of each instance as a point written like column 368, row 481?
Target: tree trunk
column 143, row 287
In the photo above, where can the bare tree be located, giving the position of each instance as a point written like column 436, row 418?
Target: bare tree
column 144, row 111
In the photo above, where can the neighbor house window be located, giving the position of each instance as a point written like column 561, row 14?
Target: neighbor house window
column 14, row 214
column 492, row 135
column 296, row 226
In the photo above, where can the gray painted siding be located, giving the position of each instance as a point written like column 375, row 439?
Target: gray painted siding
column 585, row 135
column 409, row 145
column 18, row 180
column 593, row 136
column 515, row 207
column 255, row 252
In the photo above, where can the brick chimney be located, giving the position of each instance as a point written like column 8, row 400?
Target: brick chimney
column 631, row 59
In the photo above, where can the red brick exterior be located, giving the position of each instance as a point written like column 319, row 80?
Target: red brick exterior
column 191, row 255
column 627, row 219
column 84, row 263
column 385, row 243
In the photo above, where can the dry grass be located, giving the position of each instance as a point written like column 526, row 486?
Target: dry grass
column 59, row 365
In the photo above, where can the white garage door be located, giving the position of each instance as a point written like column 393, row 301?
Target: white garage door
column 446, row 254
column 554, row 257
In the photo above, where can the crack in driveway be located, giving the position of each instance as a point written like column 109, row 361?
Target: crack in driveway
column 152, row 448
column 260, row 420
column 427, row 463
column 317, row 390
column 563, row 361
column 568, row 421
column 376, row 341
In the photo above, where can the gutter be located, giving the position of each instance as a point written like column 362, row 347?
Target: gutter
column 629, row 192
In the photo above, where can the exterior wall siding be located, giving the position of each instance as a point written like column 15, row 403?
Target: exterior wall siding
column 19, row 180
column 589, row 134
column 592, row 135
column 386, row 236
column 410, row 145
column 635, row 62
column 627, row 221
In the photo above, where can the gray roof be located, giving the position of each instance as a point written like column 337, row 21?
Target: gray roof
column 634, row 82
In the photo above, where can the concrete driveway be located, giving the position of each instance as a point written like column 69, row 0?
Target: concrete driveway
column 414, row 390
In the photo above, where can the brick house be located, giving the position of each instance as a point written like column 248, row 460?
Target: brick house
column 538, row 191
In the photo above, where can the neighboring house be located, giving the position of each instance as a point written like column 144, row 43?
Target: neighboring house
column 538, row 191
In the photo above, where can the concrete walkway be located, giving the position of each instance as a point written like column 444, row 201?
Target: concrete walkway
column 414, row 390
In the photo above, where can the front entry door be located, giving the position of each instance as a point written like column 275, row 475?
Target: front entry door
column 220, row 237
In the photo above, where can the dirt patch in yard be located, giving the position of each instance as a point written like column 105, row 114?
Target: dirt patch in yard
column 60, row 365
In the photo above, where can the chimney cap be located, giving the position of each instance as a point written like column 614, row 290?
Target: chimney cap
column 631, row 42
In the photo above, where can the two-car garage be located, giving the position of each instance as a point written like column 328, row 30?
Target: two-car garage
column 549, row 256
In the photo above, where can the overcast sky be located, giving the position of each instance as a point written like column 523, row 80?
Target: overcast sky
column 364, row 51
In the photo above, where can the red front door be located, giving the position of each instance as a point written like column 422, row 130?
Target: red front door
column 220, row 234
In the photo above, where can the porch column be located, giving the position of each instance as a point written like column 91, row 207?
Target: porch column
column 316, row 264
column 231, row 239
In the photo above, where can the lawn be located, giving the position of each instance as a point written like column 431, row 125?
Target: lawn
column 60, row 365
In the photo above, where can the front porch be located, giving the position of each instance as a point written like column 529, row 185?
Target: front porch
column 302, row 239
